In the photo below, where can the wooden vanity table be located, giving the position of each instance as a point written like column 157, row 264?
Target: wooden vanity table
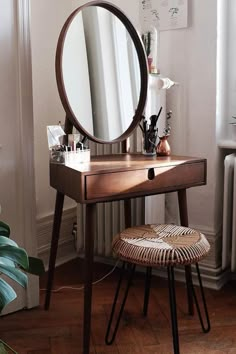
column 121, row 176
column 116, row 177
column 105, row 100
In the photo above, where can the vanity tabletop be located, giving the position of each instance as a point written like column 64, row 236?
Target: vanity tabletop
column 121, row 176
column 125, row 161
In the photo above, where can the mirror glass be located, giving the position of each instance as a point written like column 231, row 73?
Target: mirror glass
column 100, row 74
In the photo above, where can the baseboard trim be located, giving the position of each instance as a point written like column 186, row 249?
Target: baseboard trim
column 214, row 281
column 212, row 278
column 65, row 253
column 66, row 246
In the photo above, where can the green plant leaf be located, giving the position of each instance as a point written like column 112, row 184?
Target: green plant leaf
column 15, row 274
column 36, row 266
column 16, row 254
column 7, row 262
column 2, row 349
column 7, row 241
column 4, row 229
column 7, row 294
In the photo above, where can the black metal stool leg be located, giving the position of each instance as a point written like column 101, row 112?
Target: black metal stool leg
column 174, row 322
column 147, row 289
column 206, row 328
column 130, row 277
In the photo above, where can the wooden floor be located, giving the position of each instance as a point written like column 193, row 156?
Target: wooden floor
column 59, row 330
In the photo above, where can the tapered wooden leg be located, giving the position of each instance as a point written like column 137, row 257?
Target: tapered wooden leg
column 127, row 208
column 183, row 208
column 183, row 212
column 54, row 246
column 188, row 279
column 90, row 230
column 127, row 211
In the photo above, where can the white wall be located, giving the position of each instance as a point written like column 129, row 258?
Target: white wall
column 47, row 18
column 188, row 56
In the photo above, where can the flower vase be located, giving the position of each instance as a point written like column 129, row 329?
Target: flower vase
column 163, row 147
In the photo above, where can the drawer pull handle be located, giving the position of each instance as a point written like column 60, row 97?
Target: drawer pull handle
column 151, row 173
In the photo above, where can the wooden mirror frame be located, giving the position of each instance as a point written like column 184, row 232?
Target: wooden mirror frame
column 70, row 117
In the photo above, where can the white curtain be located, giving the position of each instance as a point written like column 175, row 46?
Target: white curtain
column 113, row 70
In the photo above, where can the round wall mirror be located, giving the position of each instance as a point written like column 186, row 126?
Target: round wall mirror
column 101, row 72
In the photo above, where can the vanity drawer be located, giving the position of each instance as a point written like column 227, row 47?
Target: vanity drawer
column 145, row 181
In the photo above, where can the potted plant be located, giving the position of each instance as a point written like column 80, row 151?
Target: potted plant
column 151, row 40
column 14, row 263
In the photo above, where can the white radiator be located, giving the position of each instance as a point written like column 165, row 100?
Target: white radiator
column 110, row 216
column 229, row 214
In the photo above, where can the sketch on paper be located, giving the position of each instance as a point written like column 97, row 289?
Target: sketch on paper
column 164, row 14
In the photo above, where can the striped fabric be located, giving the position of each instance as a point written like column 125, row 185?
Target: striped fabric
column 160, row 245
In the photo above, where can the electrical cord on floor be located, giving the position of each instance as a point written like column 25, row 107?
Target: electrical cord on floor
column 82, row 287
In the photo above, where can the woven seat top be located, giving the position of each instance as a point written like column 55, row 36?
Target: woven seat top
column 160, row 244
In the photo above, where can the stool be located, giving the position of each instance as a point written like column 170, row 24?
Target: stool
column 160, row 245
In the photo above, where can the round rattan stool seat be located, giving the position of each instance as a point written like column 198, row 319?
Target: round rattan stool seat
column 160, row 245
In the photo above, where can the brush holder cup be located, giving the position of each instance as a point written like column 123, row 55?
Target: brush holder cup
column 149, row 143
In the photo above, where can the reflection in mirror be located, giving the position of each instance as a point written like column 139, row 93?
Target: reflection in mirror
column 101, row 73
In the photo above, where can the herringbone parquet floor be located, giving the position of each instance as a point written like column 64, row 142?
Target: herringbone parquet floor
column 59, row 330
